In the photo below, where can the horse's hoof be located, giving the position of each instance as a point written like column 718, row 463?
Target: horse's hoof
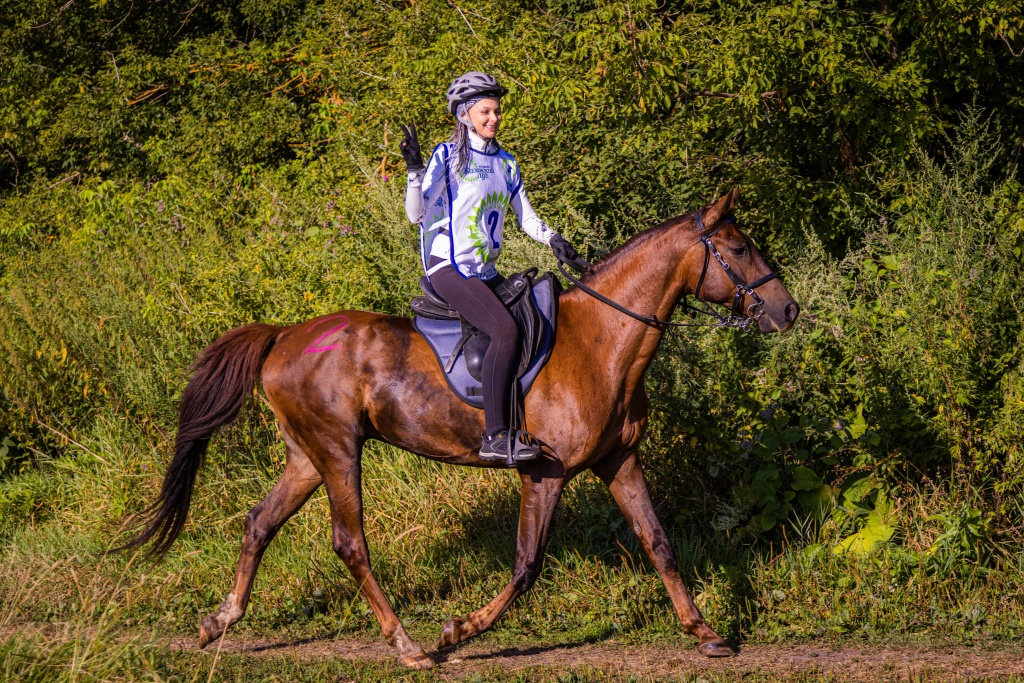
column 209, row 631
column 451, row 633
column 716, row 648
column 205, row 637
column 418, row 661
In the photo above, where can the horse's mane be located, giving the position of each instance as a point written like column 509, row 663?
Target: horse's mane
column 633, row 242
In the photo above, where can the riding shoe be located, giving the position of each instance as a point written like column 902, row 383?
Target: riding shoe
column 513, row 446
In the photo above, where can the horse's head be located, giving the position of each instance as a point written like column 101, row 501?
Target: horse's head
column 751, row 289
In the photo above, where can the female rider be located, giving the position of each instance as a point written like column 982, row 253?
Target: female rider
column 459, row 201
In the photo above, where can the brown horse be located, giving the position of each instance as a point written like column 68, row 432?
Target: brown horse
column 338, row 380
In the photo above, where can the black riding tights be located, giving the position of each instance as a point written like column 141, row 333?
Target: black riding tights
column 476, row 301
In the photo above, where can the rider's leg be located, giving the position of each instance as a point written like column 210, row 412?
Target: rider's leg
column 476, row 301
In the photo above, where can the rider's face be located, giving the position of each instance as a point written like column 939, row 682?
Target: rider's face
column 485, row 116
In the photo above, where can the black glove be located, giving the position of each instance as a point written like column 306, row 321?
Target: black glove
column 565, row 253
column 410, row 146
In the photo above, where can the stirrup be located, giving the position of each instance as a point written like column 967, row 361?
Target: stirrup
column 513, row 446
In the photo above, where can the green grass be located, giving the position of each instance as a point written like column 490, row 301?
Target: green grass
column 442, row 544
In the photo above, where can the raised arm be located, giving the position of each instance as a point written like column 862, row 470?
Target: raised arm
column 422, row 183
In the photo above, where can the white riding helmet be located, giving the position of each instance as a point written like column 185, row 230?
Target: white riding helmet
column 471, row 85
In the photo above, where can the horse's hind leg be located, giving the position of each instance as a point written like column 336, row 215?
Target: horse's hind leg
column 343, row 482
column 299, row 481
column 622, row 473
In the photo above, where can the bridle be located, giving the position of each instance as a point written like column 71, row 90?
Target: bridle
column 754, row 310
column 734, row 319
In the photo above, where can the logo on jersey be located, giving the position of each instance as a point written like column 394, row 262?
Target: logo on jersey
column 486, row 219
column 475, row 172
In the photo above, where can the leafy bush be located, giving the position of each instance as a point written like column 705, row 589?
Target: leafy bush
column 904, row 367
column 171, row 171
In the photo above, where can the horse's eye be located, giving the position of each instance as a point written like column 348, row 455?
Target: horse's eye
column 740, row 252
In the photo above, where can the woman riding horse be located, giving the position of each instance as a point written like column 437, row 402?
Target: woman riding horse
column 342, row 379
column 459, row 201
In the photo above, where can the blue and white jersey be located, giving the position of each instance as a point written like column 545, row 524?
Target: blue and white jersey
column 462, row 215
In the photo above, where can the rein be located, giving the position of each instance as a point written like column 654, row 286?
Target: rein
column 734, row 319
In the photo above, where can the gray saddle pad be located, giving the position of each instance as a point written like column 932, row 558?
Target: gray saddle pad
column 443, row 335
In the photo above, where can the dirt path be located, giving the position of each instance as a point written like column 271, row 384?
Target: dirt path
column 846, row 663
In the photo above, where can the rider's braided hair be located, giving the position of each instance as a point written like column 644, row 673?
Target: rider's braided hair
column 460, row 138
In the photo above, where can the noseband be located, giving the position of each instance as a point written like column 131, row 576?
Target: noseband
column 734, row 319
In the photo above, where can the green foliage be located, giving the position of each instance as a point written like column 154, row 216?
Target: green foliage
column 966, row 537
column 169, row 171
column 905, row 365
column 875, row 531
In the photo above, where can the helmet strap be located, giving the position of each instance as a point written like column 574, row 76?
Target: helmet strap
column 465, row 119
column 468, row 123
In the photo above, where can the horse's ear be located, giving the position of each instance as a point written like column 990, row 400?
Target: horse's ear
column 722, row 208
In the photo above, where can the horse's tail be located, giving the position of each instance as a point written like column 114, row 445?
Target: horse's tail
column 223, row 378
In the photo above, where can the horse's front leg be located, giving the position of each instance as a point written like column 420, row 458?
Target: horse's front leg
column 622, row 473
column 543, row 482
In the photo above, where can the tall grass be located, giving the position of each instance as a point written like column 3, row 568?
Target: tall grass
column 442, row 542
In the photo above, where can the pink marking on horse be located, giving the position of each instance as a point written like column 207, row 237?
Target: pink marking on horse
column 313, row 348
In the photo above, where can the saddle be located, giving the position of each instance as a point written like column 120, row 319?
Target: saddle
column 460, row 347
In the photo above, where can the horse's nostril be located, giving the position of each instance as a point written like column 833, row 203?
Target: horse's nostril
column 792, row 310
